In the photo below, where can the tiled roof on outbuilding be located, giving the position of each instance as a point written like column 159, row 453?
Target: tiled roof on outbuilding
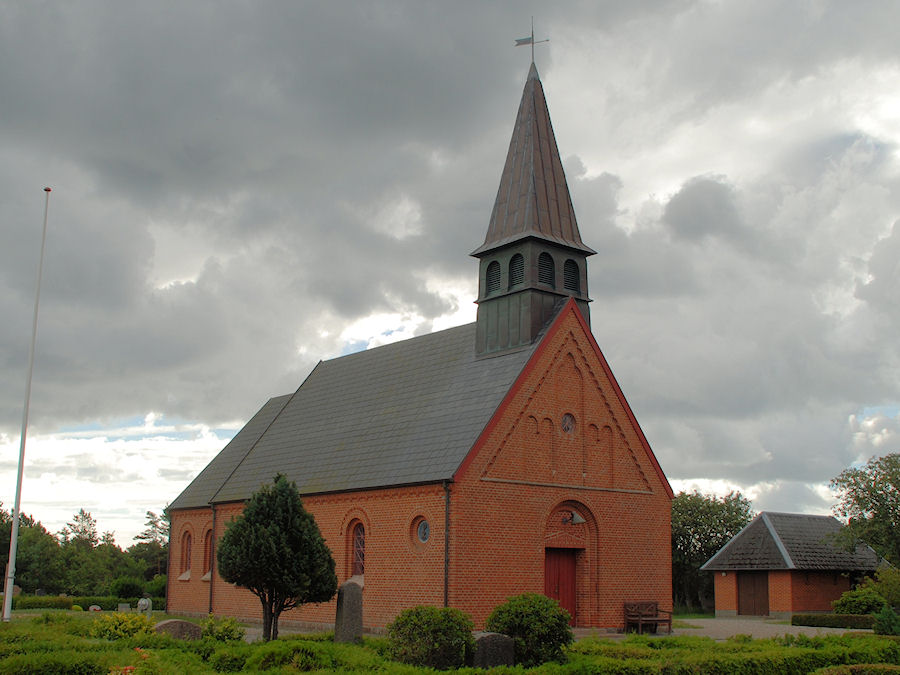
column 791, row 541
column 405, row 413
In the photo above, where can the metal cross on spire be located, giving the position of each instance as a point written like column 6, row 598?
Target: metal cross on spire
column 530, row 40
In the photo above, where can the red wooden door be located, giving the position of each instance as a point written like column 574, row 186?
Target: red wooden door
column 559, row 578
column 753, row 593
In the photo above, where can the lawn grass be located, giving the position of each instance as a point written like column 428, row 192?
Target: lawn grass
column 59, row 641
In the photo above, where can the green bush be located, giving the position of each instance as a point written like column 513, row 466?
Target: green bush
column 432, row 637
column 887, row 622
column 299, row 654
column 120, row 625
column 52, row 663
column 222, row 629
column 229, row 659
column 539, row 626
column 77, row 608
column 886, row 583
column 42, row 602
column 126, row 587
column 864, row 600
column 857, row 621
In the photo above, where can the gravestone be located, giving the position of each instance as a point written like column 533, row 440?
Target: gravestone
column 492, row 649
column 123, row 607
column 179, row 629
column 145, row 605
column 348, row 620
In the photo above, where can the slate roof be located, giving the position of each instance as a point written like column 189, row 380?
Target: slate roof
column 533, row 199
column 790, row 541
column 405, row 413
column 204, row 486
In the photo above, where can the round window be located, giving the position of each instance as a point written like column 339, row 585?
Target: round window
column 423, row 531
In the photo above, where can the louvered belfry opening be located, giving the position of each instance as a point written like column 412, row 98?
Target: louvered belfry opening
column 492, row 278
column 571, row 276
column 546, row 270
column 532, row 230
column 516, row 270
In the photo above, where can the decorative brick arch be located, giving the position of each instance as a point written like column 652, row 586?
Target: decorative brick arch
column 571, row 559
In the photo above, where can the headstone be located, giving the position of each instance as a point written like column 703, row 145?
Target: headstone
column 179, row 629
column 145, row 605
column 95, row 608
column 40, row 592
column 123, row 607
column 348, row 621
column 493, row 649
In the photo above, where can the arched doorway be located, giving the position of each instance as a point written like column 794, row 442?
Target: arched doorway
column 569, row 535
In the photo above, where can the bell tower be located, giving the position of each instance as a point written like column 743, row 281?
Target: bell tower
column 532, row 257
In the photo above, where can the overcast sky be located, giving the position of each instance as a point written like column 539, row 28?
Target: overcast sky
column 243, row 188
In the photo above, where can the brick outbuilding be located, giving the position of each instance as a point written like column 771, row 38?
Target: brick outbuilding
column 783, row 563
column 469, row 465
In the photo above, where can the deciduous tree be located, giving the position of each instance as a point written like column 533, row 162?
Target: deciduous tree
column 869, row 501
column 701, row 525
column 274, row 549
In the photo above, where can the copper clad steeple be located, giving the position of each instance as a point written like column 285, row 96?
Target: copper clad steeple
column 533, row 199
column 532, row 258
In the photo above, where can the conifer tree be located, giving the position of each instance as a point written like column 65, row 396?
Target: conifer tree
column 274, row 549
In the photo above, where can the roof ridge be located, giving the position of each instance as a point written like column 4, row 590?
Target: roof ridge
column 776, row 537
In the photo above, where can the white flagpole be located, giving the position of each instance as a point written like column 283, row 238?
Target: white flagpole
column 14, row 535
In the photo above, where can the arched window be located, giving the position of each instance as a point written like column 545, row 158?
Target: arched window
column 207, row 552
column 516, row 270
column 546, row 270
column 359, row 549
column 186, row 552
column 493, row 277
column 571, row 276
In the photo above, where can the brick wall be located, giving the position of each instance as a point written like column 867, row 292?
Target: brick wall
column 814, row 591
column 725, row 584
column 563, row 441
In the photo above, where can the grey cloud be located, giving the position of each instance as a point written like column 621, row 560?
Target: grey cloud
column 704, row 207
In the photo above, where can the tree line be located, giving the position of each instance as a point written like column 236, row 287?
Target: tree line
column 78, row 560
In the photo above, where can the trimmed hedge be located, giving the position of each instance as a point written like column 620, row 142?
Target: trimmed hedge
column 855, row 621
column 42, row 602
column 108, row 603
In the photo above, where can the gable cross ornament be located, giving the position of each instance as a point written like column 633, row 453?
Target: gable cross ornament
column 520, row 42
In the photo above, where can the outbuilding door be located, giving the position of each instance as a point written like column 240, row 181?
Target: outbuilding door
column 559, row 577
column 753, row 593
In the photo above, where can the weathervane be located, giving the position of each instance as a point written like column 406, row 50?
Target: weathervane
column 530, row 40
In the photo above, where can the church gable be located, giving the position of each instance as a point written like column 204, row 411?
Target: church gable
column 572, row 428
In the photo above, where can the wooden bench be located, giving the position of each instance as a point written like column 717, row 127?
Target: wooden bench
column 640, row 614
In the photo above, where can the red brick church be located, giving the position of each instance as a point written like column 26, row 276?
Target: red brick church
column 469, row 465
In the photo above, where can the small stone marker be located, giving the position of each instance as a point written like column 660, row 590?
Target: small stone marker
column 123, row 607
column 179, row 629
column 145, row 605
column 493, row 649
column 348, row 619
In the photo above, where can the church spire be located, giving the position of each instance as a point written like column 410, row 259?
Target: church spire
column 532, row 256
column 533, row 199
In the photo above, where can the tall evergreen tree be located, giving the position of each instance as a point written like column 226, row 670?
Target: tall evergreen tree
column 274, row 549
